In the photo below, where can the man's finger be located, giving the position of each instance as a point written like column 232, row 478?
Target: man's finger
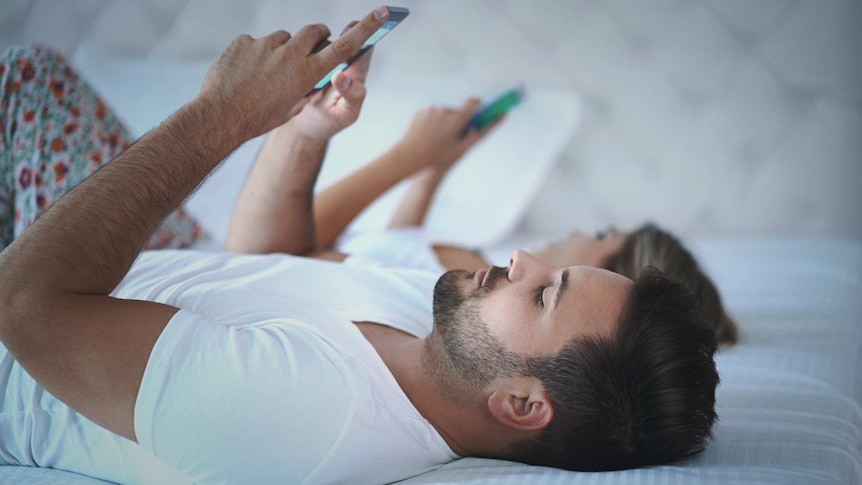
column 350, row 42
column 309, row 37
column 320, row 45
column 278, row 38
column 351, row 24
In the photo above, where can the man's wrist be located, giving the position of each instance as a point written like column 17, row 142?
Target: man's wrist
column 228, row 130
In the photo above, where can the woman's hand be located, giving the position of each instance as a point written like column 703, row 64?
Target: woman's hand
column 433, row 143
column 434, row 139
column 337, row 106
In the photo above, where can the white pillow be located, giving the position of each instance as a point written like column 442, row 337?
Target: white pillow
column 481, row 202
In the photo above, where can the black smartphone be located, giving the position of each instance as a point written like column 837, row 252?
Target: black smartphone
column 494, row 110
column 396, row 15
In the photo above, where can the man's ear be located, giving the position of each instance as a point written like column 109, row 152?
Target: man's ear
column 521, row 403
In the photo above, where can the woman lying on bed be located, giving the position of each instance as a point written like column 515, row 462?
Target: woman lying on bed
column 435, row 134
column 84, row 136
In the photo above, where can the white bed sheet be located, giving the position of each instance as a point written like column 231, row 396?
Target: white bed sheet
column 789, row 402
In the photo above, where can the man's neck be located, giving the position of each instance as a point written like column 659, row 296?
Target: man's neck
column 402, row 354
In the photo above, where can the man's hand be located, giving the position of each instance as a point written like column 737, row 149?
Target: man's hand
column 256, row 83
column 337, row 106
column 56, row 316
column 274, row 210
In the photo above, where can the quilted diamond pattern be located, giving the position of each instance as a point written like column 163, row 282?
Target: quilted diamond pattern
column 709, row 116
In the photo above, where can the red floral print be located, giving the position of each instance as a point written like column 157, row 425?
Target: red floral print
column 56, row 86
column 57, row 145
column 58, row 131
column 101, row 110
column 60, row 171
column 25, row 177
column 27, row 72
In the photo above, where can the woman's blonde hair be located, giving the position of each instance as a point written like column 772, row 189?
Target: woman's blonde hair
column 649, row 245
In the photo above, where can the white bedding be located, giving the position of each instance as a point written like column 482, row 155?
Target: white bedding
column 505, row 171
column 790, row 402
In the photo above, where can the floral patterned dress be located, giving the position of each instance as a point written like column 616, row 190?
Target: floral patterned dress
column 57, row 131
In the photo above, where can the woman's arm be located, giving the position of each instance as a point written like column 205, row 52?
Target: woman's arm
column 336, row 206
column 451, row 257
column 438, row 134
column 429, row 148
column 274, row 209
column 414, row 206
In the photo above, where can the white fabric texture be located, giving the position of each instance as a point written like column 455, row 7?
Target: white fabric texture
column 789, row 402
column 408, row 247
column 263, row 377
column 37, row 430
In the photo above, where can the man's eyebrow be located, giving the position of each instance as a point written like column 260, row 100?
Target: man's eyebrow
column 564, row 284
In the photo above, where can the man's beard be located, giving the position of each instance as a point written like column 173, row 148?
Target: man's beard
column 461, row 353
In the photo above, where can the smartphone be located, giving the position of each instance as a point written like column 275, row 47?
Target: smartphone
column 396, row 15
column 494, row 110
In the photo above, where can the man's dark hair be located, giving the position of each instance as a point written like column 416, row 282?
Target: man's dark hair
column 645, row 396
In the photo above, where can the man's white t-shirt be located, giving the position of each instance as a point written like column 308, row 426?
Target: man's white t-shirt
column 262, row 376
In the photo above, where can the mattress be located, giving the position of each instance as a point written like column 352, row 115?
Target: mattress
column 790, row 402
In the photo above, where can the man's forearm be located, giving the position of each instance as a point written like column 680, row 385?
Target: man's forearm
column 86, row 348
column 87, row 241
column 273, row 212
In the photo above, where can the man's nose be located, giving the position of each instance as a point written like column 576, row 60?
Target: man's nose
column 524, row 265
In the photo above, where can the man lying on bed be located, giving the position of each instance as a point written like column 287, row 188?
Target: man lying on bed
column 433, row 141
column 275, row 368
